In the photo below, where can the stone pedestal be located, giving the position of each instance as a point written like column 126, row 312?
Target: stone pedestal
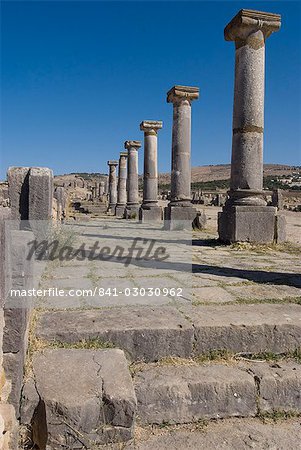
column 121, row 188
column 257, row 222
column 180, row 209
column 112, row 185
column 179, row 218
column 150, row 211
column 247, row 224
column 132, row 205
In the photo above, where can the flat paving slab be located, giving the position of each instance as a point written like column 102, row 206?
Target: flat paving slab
column 238, row 434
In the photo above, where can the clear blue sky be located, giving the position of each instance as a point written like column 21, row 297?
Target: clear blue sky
column 78, row 78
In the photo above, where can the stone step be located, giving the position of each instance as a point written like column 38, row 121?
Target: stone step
column 148, row 333
column 231, row 434
column 177, row 394
column 78, row 399
column 93, row 209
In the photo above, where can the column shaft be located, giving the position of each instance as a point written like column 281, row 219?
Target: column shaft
column 150, row 175
column 132, row 177
column 122, row 176
column 181, row 144
column 248, row 114
column 112, row 184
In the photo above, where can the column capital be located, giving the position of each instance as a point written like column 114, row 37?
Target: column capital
column 151, row 126
column 123, row 154
column 132, row 144
column 247, row 22
column 181, row 93
column 112, row 163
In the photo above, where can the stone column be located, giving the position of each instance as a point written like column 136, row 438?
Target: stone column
column 180, row 212
column 150, row 211
column 239, row 220
column 96, row 190
column 132, row 206
column 121, row 188
column 101, row 188
column 112, row 185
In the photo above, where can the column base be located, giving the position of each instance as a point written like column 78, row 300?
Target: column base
column 111, row 208
column 131, row 212
column 179, row 217
column 257, row 224
column 150, row 214
column 120, row 211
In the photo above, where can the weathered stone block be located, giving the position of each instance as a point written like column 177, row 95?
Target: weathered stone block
column 280, row 228
column 13, row 364
column 76, row 407
column 179, row 217
column 279, row 386
column 145, row 333
column 40, row 193
column 120, row 211
column 200, row 221
column 247, row 224
column 182, row 394
column 246, row 328
column 131, row 212
column 5, row 260
column 153, row 214
column 18, row 190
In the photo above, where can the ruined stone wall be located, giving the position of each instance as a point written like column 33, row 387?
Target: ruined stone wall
column 28, row 197
column 8, row 422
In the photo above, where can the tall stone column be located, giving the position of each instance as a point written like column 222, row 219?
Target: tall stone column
column 180, row 212
column 132, row 206
column 246, row 216
column 150, row 211
column 112, row 185
column 121, row 188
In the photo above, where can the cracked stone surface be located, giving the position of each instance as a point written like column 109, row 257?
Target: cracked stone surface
column 85, row 397
column 181, row 394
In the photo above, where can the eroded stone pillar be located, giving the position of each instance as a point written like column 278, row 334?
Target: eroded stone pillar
column 246, row 216
column 121, row 188
column 180, row 211
column 150, row 211
column 132, row 205
column 112, row 185
column 101, row 188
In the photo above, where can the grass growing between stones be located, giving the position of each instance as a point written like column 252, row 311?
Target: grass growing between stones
column 285, row 247
column 250, row 301
column 277, row 415
column 270, row 356
column 253, row 301
column 217, row 356
column 36, row 344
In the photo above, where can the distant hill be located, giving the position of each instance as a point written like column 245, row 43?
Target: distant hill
column 222, row 172
column 198, row 174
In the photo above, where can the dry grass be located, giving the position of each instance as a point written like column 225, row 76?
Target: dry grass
column 217, row 356
column 36, row 344
column 285, row 247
